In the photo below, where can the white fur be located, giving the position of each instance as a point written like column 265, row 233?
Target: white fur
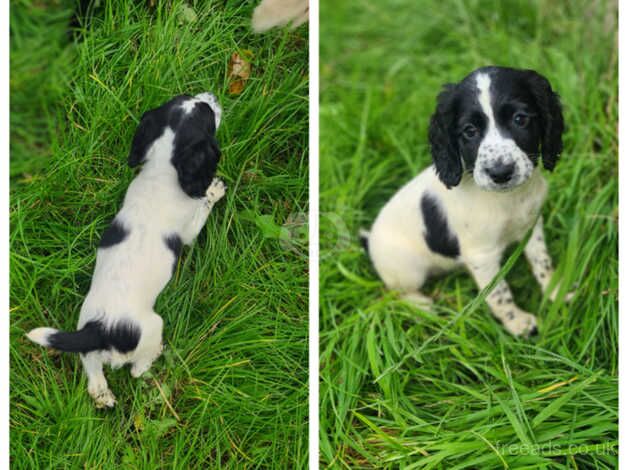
column 272, row 13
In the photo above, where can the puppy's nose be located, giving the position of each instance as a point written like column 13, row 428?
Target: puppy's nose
column 501, row 172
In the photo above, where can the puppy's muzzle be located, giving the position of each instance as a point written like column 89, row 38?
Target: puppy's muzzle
column 213, row 103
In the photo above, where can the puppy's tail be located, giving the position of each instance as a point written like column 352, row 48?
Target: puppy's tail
column 364, row 239
column 89, row 338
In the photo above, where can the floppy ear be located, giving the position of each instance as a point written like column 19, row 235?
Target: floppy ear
column 196, row 165
column 146, row 133
column 443, row 142
column 552, row 123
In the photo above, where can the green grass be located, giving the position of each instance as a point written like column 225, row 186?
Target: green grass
column 401, row 388
column 230, row 390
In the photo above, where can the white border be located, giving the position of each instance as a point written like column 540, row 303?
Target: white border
column 313, row 222
column 623, row 225
column 4, row 235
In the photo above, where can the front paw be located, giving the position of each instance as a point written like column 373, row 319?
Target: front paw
column 216, row 191
column 520, row 323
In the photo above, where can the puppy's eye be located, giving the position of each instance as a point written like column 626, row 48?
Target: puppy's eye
column 521, row 120
column 469, row 131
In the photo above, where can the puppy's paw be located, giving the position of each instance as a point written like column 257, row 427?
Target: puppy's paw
column 139, row 368
column 419, row 300
column 520, row 323
column 104, row 399
column 216, row 191
column 567, row 298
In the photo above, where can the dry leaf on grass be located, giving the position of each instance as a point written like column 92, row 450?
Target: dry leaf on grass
column 239, row 71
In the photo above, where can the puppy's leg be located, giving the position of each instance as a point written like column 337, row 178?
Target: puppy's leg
column 150, row 345
column 214, row 193
column 540, row 261
column 516, row 321
column 96, row 382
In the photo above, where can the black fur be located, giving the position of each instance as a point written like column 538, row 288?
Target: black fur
column 443, row 139
column 552, row 122
column 174, row 244
column 196, row 152
column 438, row 236
column 94, row 336
column 113, row 235
column 364, row 241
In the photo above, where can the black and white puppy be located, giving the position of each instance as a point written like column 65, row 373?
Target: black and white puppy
column 165, row 207
column 483, row 192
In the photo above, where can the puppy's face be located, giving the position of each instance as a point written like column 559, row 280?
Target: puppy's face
column 181, row 133
column 495, row 124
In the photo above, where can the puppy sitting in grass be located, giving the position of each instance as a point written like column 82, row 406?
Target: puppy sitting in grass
column 483, row 192
column 165, row 207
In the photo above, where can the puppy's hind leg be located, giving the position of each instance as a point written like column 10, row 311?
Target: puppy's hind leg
column 405, row 273
column 150, row 346
column 96, row 382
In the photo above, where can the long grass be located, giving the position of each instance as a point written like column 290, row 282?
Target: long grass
column 230, row 390
column 403, row 388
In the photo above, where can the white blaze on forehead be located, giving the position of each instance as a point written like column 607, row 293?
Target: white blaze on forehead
column 208, row 98
column 483, row 82
column 496, row 147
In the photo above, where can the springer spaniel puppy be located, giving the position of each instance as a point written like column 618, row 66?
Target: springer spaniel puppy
column 165, row 207
column 483, row 192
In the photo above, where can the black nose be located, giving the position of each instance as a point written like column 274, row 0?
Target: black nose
column 500, row 172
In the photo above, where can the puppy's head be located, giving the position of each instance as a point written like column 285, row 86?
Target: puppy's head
column 181, row 133
column 495, row 124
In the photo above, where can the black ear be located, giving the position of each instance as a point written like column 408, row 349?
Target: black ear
column 443, row 140
column 147, row 132
column 552, row 123
column 196, row 165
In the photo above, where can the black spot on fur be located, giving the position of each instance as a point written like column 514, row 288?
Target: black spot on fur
column 437, row 234
column 364, row 241
column 114, row 234
column 174, row 244
column 94, row 336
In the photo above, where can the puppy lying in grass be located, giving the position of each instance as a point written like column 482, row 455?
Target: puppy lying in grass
column 165, row 207
column 483, row 192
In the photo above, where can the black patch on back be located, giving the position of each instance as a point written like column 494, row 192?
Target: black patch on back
column 174, row 244
column 94, row 336
column 437, row 234
column 113, row 235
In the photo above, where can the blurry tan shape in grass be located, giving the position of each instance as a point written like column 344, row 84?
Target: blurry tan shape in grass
column 272, row 13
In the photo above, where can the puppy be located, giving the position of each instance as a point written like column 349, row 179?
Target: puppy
column 483, row 192
column 271, row 13
column 165, row 207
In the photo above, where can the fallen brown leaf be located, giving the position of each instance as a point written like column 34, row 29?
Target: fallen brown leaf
column 239, row 71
